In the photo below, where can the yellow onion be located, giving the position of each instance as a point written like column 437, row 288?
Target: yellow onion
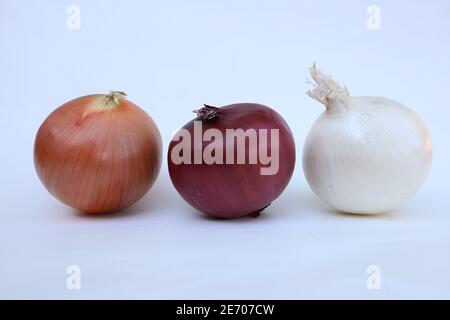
column 98, row 153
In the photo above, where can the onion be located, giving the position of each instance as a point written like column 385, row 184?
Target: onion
column 219, row 165
column 98, row 153
column 364, row 154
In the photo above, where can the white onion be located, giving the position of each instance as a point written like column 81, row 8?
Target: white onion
column 364, row 155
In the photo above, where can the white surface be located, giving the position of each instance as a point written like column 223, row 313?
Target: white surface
column 172, row 56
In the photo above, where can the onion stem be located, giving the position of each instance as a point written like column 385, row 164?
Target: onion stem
column 207, row 113
column 325, row 88
column 113, row 98
column 104, row 103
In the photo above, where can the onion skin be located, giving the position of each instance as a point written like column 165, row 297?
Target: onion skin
column 98, row 159
column 235, row 190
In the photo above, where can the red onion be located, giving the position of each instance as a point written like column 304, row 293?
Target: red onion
column 98, row 153
column 223, row 185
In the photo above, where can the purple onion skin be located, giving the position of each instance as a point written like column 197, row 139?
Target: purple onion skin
column 235, row 190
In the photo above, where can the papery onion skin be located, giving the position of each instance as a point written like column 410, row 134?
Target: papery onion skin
column 366, row 155
column 98, row 158
column 235, row 190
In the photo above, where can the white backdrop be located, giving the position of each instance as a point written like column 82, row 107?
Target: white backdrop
column 171, row 57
